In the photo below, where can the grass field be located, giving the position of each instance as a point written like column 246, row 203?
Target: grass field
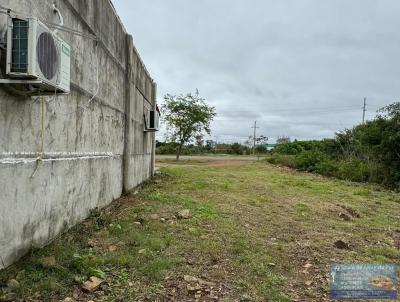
column 255, row 233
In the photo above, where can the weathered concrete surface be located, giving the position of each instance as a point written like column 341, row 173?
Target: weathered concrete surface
column 92, row 151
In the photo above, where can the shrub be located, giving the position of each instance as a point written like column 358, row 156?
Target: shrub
column 327, row 167
column 354, row 170
column 308, row 160
column 284, row 160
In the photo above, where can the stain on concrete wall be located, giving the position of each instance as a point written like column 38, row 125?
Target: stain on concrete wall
column 92, row 150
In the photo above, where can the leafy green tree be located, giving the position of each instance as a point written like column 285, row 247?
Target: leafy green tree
column 186, row 116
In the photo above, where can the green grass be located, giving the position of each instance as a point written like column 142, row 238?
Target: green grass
column 253, row 228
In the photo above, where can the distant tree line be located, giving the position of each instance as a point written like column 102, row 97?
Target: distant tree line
column 369, row 152
column 210, row 147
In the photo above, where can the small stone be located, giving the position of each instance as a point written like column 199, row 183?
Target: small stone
column 142, row 251
column 92, row 284
column 112, row 248
column 272, row 264
column 184, row 214
column 91, row 243
column 340, row 244
column 130, row 284
column 138, row 223
column 344, row 216
column 307, row 265
column 245, row 298
column 13, row 284
column 308, row 283
column 48, row 262
column 188, row 278
column 154, row 216
column 162, row 219
column 190, row 288
column 68, row 299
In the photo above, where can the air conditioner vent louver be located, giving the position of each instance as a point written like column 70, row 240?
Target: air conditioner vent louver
column 19, row 62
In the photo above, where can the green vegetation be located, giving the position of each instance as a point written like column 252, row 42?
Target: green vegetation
column 186, row 118
column 208, row 148
column 367, row 153
column 256, row 233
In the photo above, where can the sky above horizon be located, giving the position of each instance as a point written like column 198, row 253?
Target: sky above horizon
column 300, row 68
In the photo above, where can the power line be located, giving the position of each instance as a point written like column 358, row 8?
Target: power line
column 295, row 109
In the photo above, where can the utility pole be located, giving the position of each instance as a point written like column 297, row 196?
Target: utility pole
column 364, row 109
column 254, row 136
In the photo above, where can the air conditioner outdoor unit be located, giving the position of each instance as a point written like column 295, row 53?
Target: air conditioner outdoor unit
column 151, row 120
column 36, row 53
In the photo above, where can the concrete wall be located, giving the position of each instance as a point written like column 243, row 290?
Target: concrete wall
column 91, row 151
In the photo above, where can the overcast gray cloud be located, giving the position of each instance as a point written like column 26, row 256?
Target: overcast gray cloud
column 299, row 67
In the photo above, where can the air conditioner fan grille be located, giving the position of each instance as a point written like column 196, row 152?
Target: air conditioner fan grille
column 47, row 55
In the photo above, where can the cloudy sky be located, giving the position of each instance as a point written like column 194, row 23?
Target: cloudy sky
column 301, row 68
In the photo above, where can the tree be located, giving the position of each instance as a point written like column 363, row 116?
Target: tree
column 283, row 140
column 261, row 140
column 186, row 116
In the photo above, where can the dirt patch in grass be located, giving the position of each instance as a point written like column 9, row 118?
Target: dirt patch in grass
column 254, row 233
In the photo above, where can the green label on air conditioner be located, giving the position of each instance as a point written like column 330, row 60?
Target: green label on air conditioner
column 65, row 50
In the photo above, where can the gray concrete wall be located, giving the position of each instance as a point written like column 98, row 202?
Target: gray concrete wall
column 92, row 151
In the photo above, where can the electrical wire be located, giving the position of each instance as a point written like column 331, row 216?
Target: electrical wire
column 259, row 114
column 97, row 76
column 72, row 31
column 95, row 94
column 4, row 10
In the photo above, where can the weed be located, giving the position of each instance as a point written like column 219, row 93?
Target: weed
column 387, row 252
column 97, row 218
column 205, row 212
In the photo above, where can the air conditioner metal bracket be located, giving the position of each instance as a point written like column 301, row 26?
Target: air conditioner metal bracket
column 18, row 81
column 16, row 84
